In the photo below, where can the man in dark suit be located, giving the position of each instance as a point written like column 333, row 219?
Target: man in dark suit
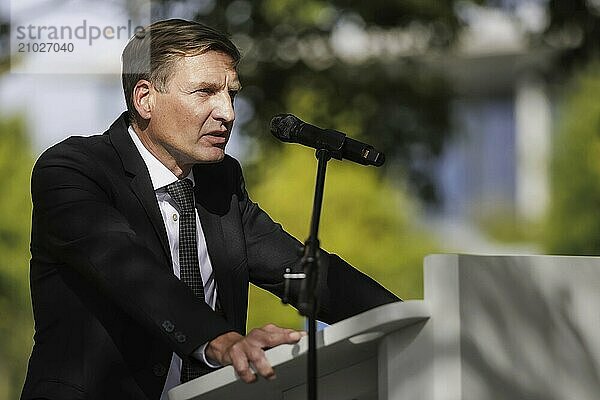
column 144, row 239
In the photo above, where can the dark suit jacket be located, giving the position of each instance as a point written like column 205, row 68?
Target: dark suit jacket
column 108, row 309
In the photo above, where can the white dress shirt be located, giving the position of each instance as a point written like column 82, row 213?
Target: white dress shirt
column 161, row 176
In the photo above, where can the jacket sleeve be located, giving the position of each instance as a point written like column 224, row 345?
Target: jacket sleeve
column 102, row 258
column 344, row 291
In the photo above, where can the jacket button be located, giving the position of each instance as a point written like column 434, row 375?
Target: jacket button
column 180, row 337
column 159, row 370
column 168, row 326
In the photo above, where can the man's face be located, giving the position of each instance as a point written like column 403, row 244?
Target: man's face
column 192, row 120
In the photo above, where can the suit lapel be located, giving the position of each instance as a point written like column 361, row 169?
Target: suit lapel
column 210, row 203
column 142, row 187
column 213, row 234
column 141, row 183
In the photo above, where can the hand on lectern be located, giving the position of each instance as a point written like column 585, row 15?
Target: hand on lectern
column 247, row 353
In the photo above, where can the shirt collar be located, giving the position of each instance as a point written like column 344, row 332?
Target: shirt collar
column 160, row 175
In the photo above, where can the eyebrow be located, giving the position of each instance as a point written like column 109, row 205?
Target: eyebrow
column 215, row 86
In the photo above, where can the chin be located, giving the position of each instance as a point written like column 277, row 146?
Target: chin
column 215, row 157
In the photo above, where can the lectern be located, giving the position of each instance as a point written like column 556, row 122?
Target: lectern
column 489, row 327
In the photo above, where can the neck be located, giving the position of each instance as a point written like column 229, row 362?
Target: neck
column 161, row 154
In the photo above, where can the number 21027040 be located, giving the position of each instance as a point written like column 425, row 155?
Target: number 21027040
column 45, row 47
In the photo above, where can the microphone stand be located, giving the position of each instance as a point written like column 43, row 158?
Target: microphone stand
column 312, row 264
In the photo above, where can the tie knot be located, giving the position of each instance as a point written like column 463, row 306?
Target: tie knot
column 183, row 193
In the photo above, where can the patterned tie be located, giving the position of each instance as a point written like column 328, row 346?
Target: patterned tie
column 183, row 193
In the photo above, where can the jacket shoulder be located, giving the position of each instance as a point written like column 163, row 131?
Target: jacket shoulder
column 76, row 149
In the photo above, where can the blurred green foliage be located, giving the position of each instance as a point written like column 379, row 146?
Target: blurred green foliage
column 504, row 225
column 345, row 59
column 573, row 223
column 366, row 219
column 16, row 322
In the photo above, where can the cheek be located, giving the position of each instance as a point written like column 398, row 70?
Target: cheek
column 163, row 114
column 182, row 120
column 191, row 113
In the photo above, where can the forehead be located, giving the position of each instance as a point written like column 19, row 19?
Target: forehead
column 212, row 66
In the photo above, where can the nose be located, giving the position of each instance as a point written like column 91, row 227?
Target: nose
column 223, row 109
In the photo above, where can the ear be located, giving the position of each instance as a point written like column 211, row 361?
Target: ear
column 143, row 98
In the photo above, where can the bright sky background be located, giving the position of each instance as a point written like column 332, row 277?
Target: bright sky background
column 77, row 95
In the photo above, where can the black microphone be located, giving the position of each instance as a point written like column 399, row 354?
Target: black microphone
column 289, row 128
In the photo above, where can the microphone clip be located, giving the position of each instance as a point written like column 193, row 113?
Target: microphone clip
column 332, row 144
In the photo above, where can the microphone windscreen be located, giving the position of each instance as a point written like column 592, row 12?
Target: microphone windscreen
column 285, row 127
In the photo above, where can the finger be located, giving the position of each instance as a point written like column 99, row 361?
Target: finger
column 295, row 335
column 272, row 328
column 261, row 365
column 267, row 340
column 240, row 363
column 270, row 336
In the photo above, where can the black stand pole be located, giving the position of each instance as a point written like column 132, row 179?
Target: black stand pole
column 309, row 293
column 310, row 288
